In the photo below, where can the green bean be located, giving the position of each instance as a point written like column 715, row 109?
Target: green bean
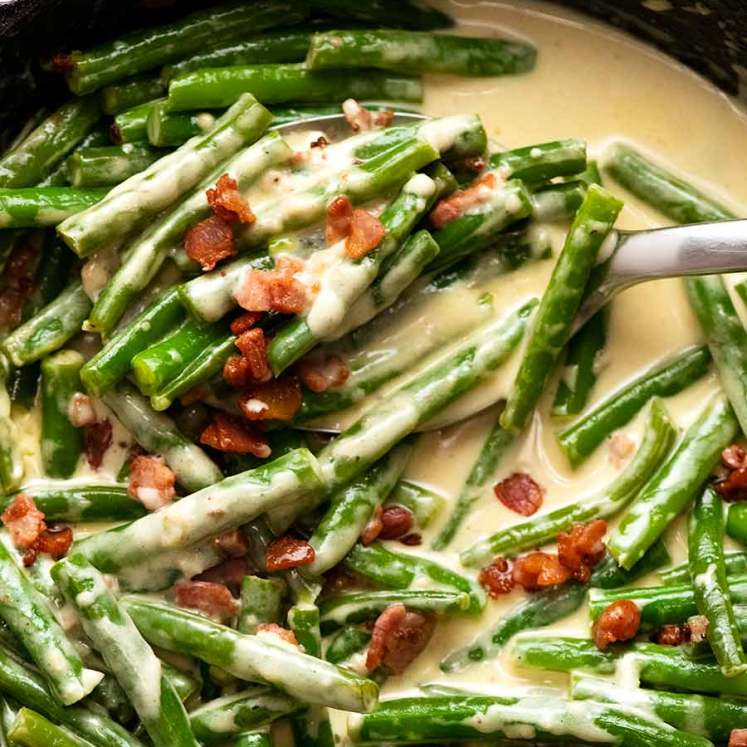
column 11, row 459
column 50, row 329
column 31, row 729
column 419, row 52
column 657, row 666
column 557, row 202
column 483, row 471
column 261, row 602
column 34, row 159
column 542, row 608
column 675, row 483
column 251, row 658
column 408, row 14
column 249, row 709
column 424, row 504
column 61, row 441
column 39, row 207
column 658, row 437
column 122, row 96
column 166, row 129
column 139, row 51
column 607, row 574
column 107, row 166
column 402, row 571
column 708, row 573
column 125, row 652
column 538, row 163
column 219, row 87
column 133, row 203
column 304, row 620
column 131, row 125
column 736, row 522
column 735, row 562
column 112, row 362
column 581, row 438
column 346, row 642
column 551, row 328
column 207, row 513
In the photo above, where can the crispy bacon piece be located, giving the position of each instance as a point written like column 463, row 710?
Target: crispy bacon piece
column 339, row 219
column 233, row 543
column 619, row 622
column 398, row 637
column 520, row 493
column 24, row 521
column 245, row 321
column 227, row 202
column 285, row 553
column 384, row 118
column 672, row 635
column 230, row 573
column 54, row 541
column 98, row 441
column 412, row 540
column 734, row 457
column 17, row 282
column 278, row 630
column 237, row 372
column 209, row 241
column 233, row 435
column 733, row 487
column 452, row 207
column 357, row 116
column 318, row 374
column 252, row 345
column 738, row 738
column 497, row 578
column 272, row 290
column 151, row 481
column 81, row 411
column 397, row 521
column 213, row 600
column 62, row 63
column 373, row 528
column 366, row 233
column 582, row 548
column 277, row 399
column 538, row 570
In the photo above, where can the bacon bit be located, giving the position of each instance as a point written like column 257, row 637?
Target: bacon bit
column 213, row 600
column 285, row 553
column 366, row 233
column 538, row 570
column 24, row 521
column 253, row 347
column 62, row 63
column 151, row 481
column 520, row 493
column 452, row 207
column 231, row 434
column 619, row 622
column 278, row 630
column 236, row 371
column 698, row 625
column 621, row 447
column 54, row 541
column 230, row 573
column 233, row 543
column 18, row 283
column 278, row 399
column 738, row 738
column 384, row 118
column 81, row 411
column 397, row 522
column 98, row 441
column 320, row 374
column 272, row 290
column 320, row 142
column 227, row 202
column 497, row 578
column 672, row 635
column 339, row 220
column 373, row 528
column 412, row 540
column 734, row 457
column 582, row 548
column 357, row 116
column 245, row 322
column 209, row 241
column 734, row 487
column 196, row 394
column 398, row 637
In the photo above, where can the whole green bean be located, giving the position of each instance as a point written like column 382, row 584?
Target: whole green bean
column 215, row 88
column 551, row 328
column 419, row 52
column 658, row 438
column 581, row 438
column 675, row 483
column 139, row 51
column 248, row 657
column 61, row 441
column 108, row 165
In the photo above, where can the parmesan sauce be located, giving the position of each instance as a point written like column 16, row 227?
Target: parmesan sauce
column 594, row 83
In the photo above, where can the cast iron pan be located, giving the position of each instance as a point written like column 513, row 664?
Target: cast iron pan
column 708, row 35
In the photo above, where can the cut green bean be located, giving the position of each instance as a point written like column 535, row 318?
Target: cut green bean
column 658, row 437
column 347, row 642
column 40, row 207
column 607, row 574
column 736, row 522
column 31, row 729
column 165, row 128
column 675, row 483
column 538, row 163
column 261, row 602
column 581, row 438
column 61, row 441
column 130, row 93
column 131, row 125
column 11, row 459
column 107, row 166
column 735, row 562
column 424, row 504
